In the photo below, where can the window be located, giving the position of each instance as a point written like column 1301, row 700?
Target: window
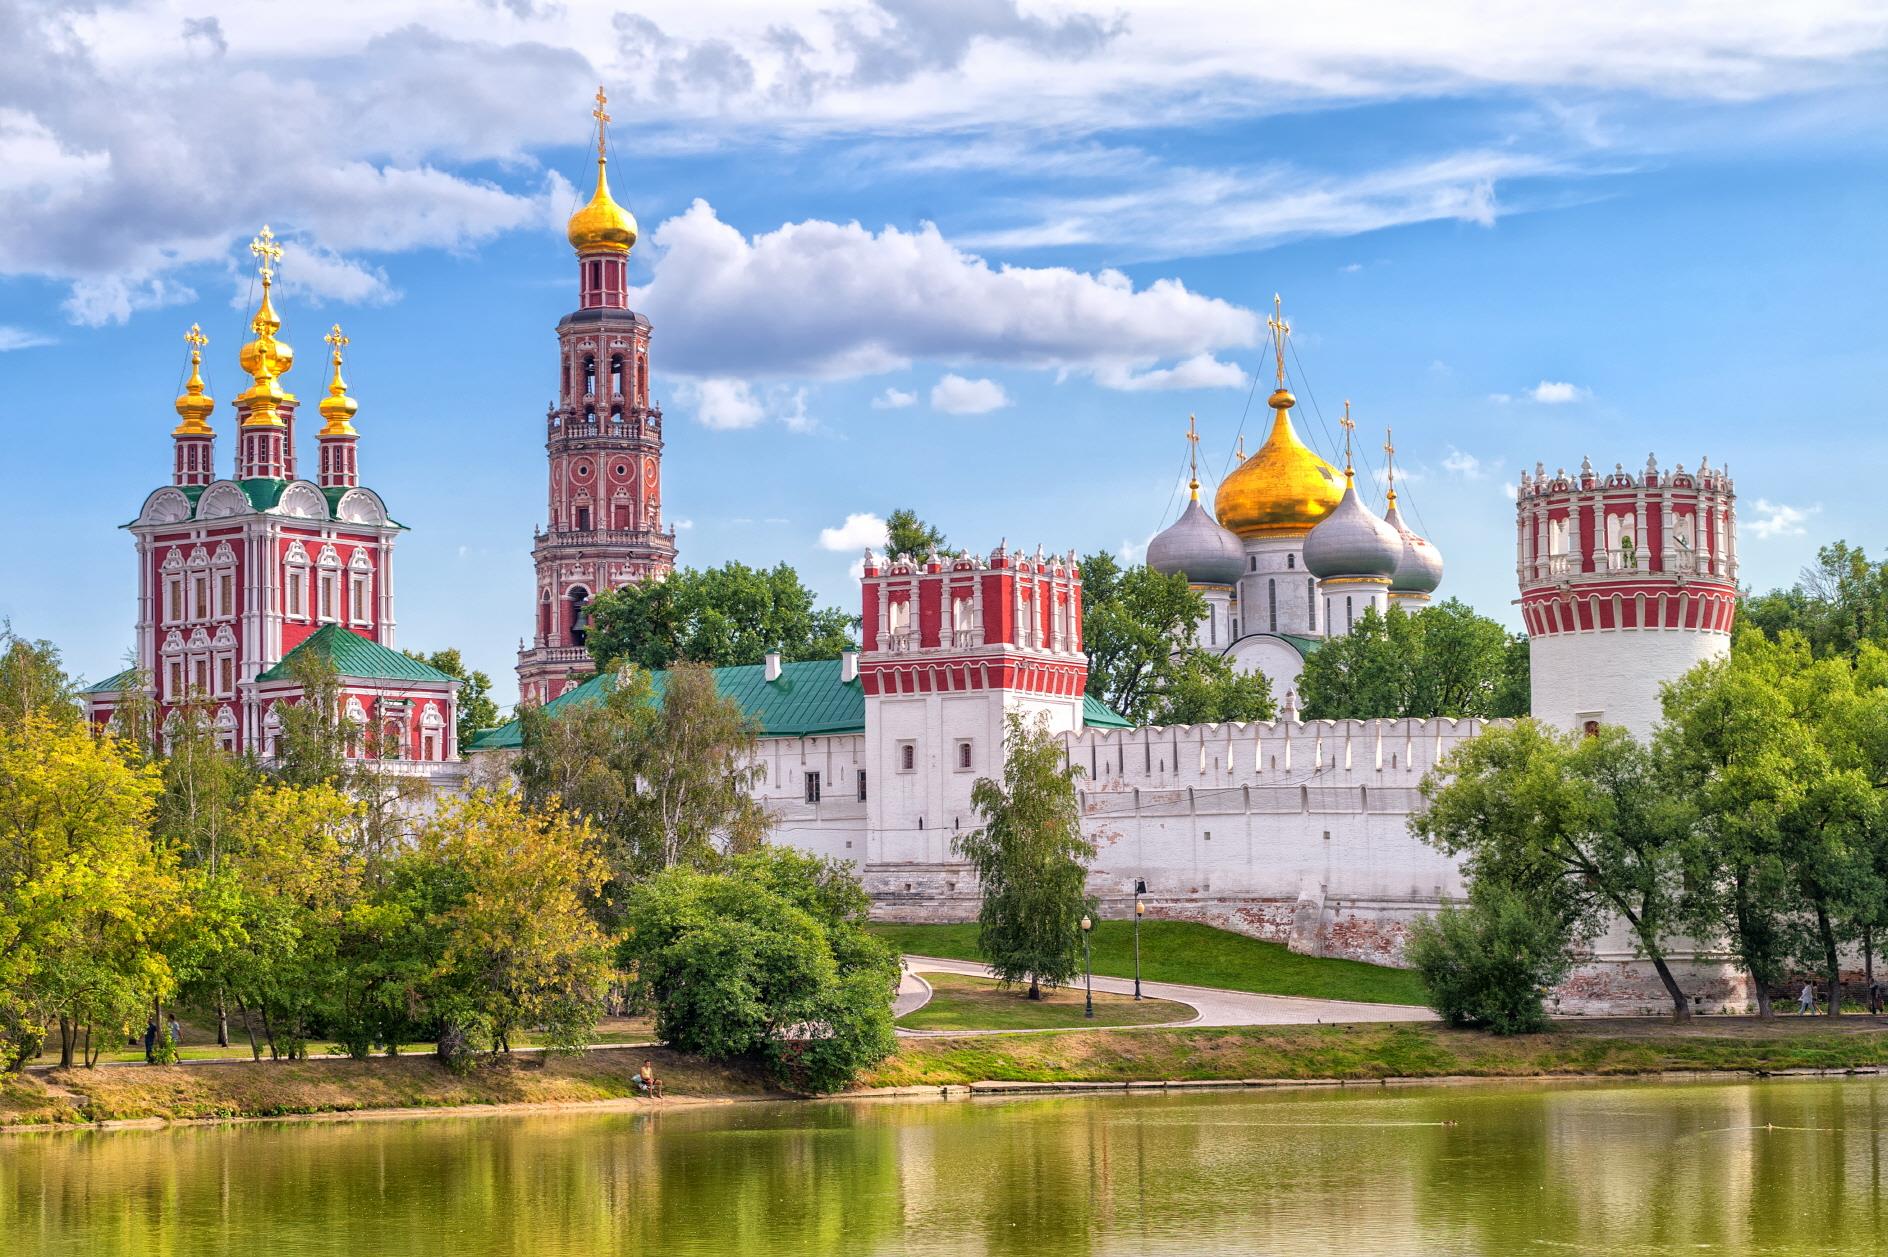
column 963, row 755
column 907, row 757
column 1348, row 621
column 199, row 597
column 1291, row 561
column 616, row 374
column 1212, row 626
column 1271, row 594
column 330, row 596
column 583, row 519
column 226, row 666
column 174, row 598
column 1311, row 601
column 359, row 586
column 174, row 685
column 1254, row 564
column 200, row 675
column 225, row 594
column 862, row 785
column 812, row 787
column 578, row 597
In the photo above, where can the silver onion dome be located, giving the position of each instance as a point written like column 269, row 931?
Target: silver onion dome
column 1353, row 540
column 1419, row 570
column 1198, row 548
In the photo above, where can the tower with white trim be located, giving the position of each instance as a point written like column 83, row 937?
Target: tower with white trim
column 1627, row 582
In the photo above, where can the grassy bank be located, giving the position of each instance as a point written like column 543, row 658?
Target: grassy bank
column 1363, row 1052
column 1198, row 955
column 960, row 1002
column 1382, row 1051
column 281, row 1088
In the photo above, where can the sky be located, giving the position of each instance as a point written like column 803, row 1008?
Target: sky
column 980, row 259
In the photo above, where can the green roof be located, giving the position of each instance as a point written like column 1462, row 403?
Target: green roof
column 354, row 656
column 263, row 494
column 1098, row 715
column 113, row 684
column 808, row 700
column 1303, row 645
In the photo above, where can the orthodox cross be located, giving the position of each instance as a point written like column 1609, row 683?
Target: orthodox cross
column 1280, row 330
column 1389, row 462
column 1193, row 456
column 1347, row 423
column 603, row 119
column 196, row 340
column 336, row 339
column 266, row 249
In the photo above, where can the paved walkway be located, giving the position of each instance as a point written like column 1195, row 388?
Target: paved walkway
column 1215, row 1007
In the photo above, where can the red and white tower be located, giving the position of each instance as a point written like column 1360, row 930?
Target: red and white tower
column 604, row 441
column 1626, row 582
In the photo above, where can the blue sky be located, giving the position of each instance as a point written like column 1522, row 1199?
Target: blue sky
column 979, row 259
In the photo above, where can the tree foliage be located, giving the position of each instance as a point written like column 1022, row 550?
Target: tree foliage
column 908, row 535
column 1580, row 827
column 724, row 616
column 1839, row 602
column 1486, row 963
column 1444, row 660
column 666, row 781
column 1031, row 861
column 476, row 708
column 768, row 959
column 33, row 680
column 1137, row 627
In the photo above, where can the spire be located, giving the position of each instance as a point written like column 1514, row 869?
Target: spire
column 337, row 407
column 195, row 406
column 265, row 358
column 602, row 225
column 1193, row 459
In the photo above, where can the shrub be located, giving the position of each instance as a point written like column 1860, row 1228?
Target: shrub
column 1488, row 963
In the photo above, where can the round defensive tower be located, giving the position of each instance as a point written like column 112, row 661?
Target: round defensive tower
column 1627, row 582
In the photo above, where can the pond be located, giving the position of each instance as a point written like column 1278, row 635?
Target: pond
column 1789, row 1166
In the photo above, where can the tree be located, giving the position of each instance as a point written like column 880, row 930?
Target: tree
column 907, row 534
column 476, row 709
column 1839, row 602
column 1579, row 826
column 1137, row 626
column 1444, row 660
column 667, row 780
column 724, row 616
column 32, row 680
column 1031, row 861
column 769, row 959
column 1486, row 963
column 519, row 948
column 84, row 892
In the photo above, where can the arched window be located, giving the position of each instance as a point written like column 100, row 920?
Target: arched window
column 589, row 377
column 1291, row 561
column 1271, row 593
column 642, row 382
column 616, row 375
column 1311, row 601
column 1348, row 620
column 579, row 597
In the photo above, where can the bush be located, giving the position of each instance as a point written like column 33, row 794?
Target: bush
column 1487, row 964
column 769, row 960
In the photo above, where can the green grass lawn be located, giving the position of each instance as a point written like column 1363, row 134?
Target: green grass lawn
column 961, row 1002
column 1199, row 955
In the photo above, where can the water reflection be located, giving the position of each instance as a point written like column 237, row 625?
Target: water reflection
column 1794, row 1166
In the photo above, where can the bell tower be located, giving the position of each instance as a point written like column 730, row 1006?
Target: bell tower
column 603, row 438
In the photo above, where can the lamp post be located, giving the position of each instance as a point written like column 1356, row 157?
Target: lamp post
column 1088, row 972
column 1140, row 888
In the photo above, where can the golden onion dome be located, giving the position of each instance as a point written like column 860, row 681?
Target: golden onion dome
column 1284, row 489
column 337, row 407
column 194, row 406
column 602, row 225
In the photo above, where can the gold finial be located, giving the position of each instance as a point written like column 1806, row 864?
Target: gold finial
column 266, row 250
column 194, row 406
column 1347, row 423
column 1280, row 330
column 603, row 121
column 1389, row 465
column 1193, row 458
column 337, row 407
column 265, row 358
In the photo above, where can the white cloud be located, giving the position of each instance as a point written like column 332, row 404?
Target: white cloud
column 1467, row 466
column 1350, row 268
column 889, row 297
column 1775, row 519
column 723, row 403
column 681, row 525
column 1199, row 371
column 1558, row 393
column 1511, row 491
column 12, row 338
column 894, row 399
column 1501, row 399
column 955, row 395
column 857, row 533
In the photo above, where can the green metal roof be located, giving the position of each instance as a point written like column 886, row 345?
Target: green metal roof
column 354, row 656
column 808, row 700
column 1098, row 715
column 263, row 494
column 113, row 684
column 1303, row 645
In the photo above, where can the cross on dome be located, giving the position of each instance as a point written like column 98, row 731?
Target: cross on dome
column 603, row 119
column 1193, row 458
column 1280, row 330
column 266, row 250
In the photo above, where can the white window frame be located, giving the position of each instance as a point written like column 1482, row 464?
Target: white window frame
column 812, row 784
column 964, row 756
column 905, row 755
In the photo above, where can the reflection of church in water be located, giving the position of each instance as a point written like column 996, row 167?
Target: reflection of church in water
column 1294, row 555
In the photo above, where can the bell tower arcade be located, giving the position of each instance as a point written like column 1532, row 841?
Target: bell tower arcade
column 603, row 438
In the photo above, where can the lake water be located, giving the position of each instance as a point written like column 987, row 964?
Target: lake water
column 1793, row 1166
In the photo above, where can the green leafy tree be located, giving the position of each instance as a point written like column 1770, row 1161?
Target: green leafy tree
column 667, row 780
column 724, row 616
column 909, row 535
column 770, row 960
column 1580, row 826
column 1031, row 861
column 1137, row 626
column 1839, row 602
column 1487, row 963
column 32, row 680
column 1444, row 660
column 476, row 708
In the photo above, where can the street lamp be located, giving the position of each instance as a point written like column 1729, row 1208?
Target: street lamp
column 1088, row 972
column 1140, row 909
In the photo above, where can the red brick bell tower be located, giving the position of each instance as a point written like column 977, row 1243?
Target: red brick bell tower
column 604, row 441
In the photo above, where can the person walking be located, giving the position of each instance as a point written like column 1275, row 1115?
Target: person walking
column 1874, row 999
column 1806, row 1002
column 176, row 1031
column 150, row 1042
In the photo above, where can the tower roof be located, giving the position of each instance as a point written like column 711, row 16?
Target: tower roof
column 194, row 406
column 337, row 407
column 602, row 225
column 1284, row 489
column 1352, row 540
column 1195, row 546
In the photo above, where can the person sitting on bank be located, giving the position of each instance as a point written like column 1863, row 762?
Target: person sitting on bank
column 646, row 1081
